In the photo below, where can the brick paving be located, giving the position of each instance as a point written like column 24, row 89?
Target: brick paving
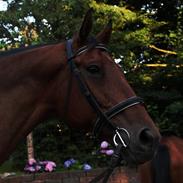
column 120, row 175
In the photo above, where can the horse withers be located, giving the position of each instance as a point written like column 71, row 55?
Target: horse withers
column 167, row 165
column 79, row 82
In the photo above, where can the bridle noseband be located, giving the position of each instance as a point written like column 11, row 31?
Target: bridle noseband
column 103, row 118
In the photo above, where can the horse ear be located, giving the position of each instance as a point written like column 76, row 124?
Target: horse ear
column 105, row 34
column 86, row 26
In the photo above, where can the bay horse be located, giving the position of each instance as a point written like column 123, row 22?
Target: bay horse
column 76, row 81
column 167, row 164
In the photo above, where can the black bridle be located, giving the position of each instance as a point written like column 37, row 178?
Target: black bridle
column 121, row 136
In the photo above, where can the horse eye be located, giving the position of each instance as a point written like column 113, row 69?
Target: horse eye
column 93, row 69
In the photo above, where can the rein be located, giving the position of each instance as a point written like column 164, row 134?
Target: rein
column 121, row 136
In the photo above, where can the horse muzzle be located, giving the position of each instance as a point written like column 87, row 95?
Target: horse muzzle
column 141, row 148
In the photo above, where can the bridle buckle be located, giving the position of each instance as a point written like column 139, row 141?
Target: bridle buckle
column 119, row 139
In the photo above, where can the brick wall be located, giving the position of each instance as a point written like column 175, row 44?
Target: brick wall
column 120, row 175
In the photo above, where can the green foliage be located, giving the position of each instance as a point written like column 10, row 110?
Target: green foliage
column 136, row 26
column 52, row 20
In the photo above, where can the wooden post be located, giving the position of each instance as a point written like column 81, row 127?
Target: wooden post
column 30, row 146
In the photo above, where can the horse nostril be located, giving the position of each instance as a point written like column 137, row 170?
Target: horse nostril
column 146, row 137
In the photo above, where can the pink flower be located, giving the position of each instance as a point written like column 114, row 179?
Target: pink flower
column 104, row 145
column 31, row 161
column 38, row 168
column 109, row 152
column 49, row 168
column 105, row 148
column 52, row 163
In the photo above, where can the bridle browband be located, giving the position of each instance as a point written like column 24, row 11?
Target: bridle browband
column 121, row 136
column 103, row 117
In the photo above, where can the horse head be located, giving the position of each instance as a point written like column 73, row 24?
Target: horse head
column 99, row 99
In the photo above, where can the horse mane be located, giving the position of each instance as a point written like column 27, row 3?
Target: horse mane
column 161, row 165
column 15, row 51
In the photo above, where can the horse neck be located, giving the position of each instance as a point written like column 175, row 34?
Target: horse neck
column 27, row 80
